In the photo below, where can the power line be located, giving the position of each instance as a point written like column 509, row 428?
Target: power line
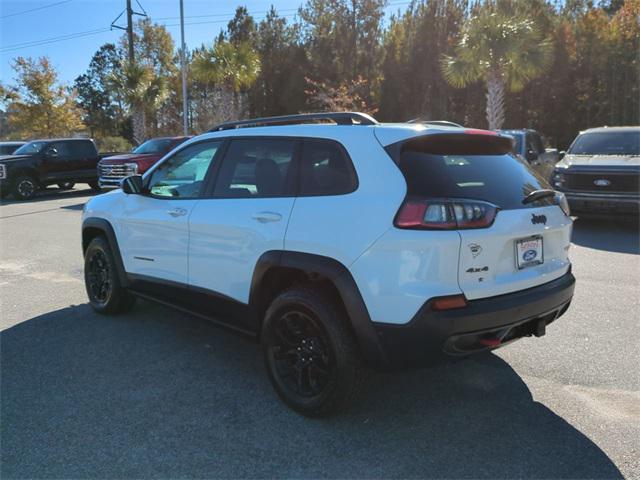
column 47, row 41
column 34, row 9
column 71, row 36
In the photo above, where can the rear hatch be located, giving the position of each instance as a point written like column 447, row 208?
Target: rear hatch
column 469, row 182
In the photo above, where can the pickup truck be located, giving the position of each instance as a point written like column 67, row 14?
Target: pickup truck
column 112, row 170
column 600, row 173
column 529, row 145
column 37, row 164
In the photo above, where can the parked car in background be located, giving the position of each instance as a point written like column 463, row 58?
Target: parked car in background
column 7, row 148
column 112, row 170
column 600, row 173
column 338, row 246
column 530, row 146
column 37, row 164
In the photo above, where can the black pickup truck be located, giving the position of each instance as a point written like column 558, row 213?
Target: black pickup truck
column 37, row 164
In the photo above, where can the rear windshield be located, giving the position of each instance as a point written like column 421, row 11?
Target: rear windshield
column 502, row 180
column 607, row 143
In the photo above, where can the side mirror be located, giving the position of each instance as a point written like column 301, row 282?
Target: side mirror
column 531, row 155
column 561, row 154
column 51, row 152
column 132, row 185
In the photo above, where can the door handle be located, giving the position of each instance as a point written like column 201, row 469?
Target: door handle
column 265, row 217
column 177, row 212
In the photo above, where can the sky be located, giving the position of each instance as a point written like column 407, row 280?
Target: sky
column 34, row 28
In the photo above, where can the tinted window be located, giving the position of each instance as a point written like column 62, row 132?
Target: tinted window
column 325, row 169
column 82, row 149
column 502, row 180
column 59, row 149
column 256, row 168
column 607, row 143
column 182, row 175
column 158, row 145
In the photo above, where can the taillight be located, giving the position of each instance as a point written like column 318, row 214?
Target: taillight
column 562, row 202
column 445, row 214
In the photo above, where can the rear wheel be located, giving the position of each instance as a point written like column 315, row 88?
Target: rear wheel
column 106, row 294
column 311, row 355
column 66, row 185
column 25, row 187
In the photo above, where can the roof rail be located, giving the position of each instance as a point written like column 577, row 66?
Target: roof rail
column 441, row 123
column 340, row 118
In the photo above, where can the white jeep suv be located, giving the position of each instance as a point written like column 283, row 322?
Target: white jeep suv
column 341, row 246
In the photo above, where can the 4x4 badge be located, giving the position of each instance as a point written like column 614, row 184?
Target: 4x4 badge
column 536, row 219
column 475, row 249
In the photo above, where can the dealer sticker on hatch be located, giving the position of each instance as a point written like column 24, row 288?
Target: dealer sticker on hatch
column 529, row 252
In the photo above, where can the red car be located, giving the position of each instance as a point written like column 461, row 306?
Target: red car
column 111, row 170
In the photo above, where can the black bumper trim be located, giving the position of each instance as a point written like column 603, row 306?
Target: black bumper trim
column 432, row 336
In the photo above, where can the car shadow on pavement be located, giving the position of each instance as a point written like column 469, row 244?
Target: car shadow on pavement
column 613, row 235
column 160, row 394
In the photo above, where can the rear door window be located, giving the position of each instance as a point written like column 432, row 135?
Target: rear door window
column 254, row 168
column 325, row 169
column 501, row 179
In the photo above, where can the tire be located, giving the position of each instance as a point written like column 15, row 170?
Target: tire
column 305, row 334
column 25, row 187
column 66, row 185
column 95, row 186
column 106, row 295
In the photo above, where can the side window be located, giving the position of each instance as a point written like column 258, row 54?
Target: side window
column 182, row 175
column 256, row 168
column 325, row 169
column 81, row 149
column 58, row 149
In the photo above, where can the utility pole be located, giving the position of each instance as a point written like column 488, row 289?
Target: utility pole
column 130, row 32
column 183, row 67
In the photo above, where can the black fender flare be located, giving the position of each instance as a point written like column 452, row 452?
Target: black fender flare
column 346, row 286
column 106, row 229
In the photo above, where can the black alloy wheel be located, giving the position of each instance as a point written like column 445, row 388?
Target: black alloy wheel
column 25, row 188
column 301, row 354
column 105, row 292
column 310, row 351
column 99, row 277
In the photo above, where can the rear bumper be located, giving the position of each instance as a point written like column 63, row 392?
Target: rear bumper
column 432, row 337
column 600, row 203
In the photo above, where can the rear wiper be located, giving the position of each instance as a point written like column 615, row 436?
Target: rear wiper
column 538, row 194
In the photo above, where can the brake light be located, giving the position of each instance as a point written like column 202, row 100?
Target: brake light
column 477, row 131
column 445, row 214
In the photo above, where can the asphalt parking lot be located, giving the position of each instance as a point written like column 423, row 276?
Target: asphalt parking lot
column 156, row 393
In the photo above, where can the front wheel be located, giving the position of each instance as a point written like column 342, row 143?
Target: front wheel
column 95, row 185
column 25, row 187
column 106, row 294
column 310, row 352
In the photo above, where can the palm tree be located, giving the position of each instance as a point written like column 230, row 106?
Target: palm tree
column 503, row 50
column 229, row 68
column 142, row 90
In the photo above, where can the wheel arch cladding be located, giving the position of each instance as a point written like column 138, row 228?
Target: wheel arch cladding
column 277, row 270
column 93, row 227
